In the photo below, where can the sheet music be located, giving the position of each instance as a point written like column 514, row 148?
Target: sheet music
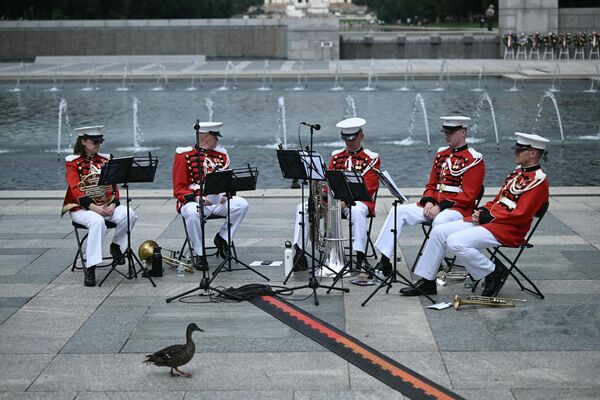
column 394, row 187
column 313, row 164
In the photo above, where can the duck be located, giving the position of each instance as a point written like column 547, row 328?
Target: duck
column 176, row 355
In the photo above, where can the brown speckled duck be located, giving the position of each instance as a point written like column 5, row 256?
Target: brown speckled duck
column 176, row 355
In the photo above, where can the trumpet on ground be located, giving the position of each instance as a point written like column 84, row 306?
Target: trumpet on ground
column 484, row 301
column 443, row 277
column 147, row 248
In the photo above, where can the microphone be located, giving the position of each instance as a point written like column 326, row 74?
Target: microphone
column 197, row 126
column 316, row 127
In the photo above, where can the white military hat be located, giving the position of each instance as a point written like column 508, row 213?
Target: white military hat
column 454, row 122
column 350, row 127
column 91, row 132
column 529, row 140
column 209, row 127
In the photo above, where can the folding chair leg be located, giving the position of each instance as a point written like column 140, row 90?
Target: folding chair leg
column 79, row 251
column 420, row 252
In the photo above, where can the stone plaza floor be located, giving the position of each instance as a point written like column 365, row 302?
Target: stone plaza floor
column 61, row 340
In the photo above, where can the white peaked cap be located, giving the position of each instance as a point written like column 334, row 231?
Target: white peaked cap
column 530, row 140
column 454, row 122
column 90, row 131
column 351, row 126
column 205, row 127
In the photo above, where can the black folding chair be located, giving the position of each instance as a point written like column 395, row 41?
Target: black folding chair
column 81, row 241
column 499, row 253
column 427, row 226
column 369, row 244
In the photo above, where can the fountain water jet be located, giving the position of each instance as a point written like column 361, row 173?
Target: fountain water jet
column 408, row 75
column 192, row 87
column 595, row 78
column 549, row 95
column 372, row 74
column 267, row 77
column 350, row 107
column 338, row 81
column 126, row 73
column 479, row 79
column 485, row 97
column 555, row 77
column 281, row 122
column 209, row 107
column 57, row 74
column 518, row 75
column 22, row 77
column 162, row 75
column 302, row 79
column 443, row 72
column 419, row 101
column 62, row 111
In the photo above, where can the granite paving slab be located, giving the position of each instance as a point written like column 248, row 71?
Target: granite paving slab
column 38, row 396
column 242, row 395
column 12, row 264
column 523, row 369
column 109, row 395
column 18, row 371
column 227, row 371
column 585, row 261
column 555, row 394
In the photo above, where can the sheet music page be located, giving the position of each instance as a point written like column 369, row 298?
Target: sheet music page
column 317, row 165
column 391, row 181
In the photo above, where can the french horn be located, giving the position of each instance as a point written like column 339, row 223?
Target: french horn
column 146, row 250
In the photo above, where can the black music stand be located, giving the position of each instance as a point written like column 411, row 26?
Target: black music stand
column 388, row 182
column 242, row 179
column 305, row 165
column 214, row 183
column 349, row 187
column 128, row 170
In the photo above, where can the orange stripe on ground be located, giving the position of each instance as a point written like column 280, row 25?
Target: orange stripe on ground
column 358, row 349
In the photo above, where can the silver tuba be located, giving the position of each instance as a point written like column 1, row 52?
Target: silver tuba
column 330, row 242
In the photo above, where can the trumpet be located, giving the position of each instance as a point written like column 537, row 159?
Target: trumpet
column 444, row 277
column 484, row 301
column 147, row 248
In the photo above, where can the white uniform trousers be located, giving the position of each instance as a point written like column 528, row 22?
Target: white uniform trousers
column 360, row 214
column 462, row 239
column 97, row 230
column 189, row 211
column 408, row 214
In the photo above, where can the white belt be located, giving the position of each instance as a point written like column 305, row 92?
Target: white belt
column 508, row 202
column 448, row 188
column 194, row 186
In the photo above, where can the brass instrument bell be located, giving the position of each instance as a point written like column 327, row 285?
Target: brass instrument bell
column 484, row 301
column 147, row 248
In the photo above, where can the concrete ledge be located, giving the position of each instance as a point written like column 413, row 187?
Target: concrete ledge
column 119, row 59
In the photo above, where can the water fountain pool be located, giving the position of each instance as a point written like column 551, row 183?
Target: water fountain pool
column 28, row 124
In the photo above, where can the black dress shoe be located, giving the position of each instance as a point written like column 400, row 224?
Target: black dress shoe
column 300, row 263
column 495, row 280
column 222, row 246
column 425, row 286
column 385, row 267
column 200, row 263
column 89, row 276
column 117, row 254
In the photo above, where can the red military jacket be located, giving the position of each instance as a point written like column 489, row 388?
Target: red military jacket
column 508, row 217
column 455, row 180
column 85, row 171
column 187, row 172
column 364, row 162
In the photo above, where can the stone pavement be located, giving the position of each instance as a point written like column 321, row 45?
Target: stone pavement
column 61, row 340
column 183, row 67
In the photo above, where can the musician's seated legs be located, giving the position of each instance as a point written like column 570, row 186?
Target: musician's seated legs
column 360, row 224
column 119, row 242
column 406, row 214
column 238, row 208
column 465, row 245
column 189, row 212
column 93, row 252
column 446, row 216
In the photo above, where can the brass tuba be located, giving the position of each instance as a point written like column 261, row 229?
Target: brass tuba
column 484, row 301
column 146, row 250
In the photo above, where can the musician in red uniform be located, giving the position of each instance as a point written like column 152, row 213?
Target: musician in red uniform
column 503, row 221
column 455, row 181
column 91, row 205
column 363, row 161
column 189, row 168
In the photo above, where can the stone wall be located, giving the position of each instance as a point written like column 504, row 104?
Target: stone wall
column 527, row 16
column 579, row 19
column 465, row 46
column 307, row 39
